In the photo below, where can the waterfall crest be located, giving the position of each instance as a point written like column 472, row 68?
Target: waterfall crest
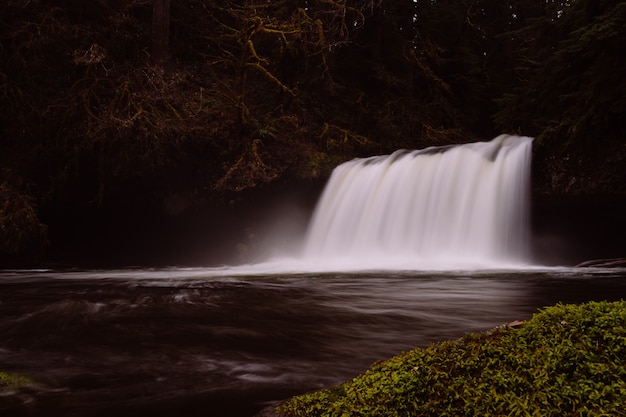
column 464, row 205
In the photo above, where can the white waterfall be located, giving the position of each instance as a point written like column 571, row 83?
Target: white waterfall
column 456, row 206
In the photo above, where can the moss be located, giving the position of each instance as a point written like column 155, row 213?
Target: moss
column 9, row 381
column 14, row 392
column 567, row 360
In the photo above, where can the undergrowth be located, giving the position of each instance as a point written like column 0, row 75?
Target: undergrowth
column 568, row 360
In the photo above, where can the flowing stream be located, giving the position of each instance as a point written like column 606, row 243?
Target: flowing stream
column 224, row 342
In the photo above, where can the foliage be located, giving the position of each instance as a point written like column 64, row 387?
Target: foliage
column 567, row 360
column 22, row 235
column 568, row 65
column 271, row 75
column 568, row 94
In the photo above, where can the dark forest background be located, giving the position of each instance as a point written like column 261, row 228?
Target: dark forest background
column 117, row 134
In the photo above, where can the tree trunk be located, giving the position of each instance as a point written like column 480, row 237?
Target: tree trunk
column 160, row 31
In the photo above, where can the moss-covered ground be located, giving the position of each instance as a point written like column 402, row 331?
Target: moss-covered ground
column 568, row 360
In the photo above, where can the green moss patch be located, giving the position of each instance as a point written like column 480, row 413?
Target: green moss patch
column 14, row 393
column 567, row 360
column 10, row 381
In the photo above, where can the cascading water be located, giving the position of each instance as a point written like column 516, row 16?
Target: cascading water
column 456, row 206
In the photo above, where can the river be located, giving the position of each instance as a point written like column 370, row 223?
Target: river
column 228, row 342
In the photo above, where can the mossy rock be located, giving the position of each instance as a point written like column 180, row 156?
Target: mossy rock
column 567, row 360
column 9, row 381
column 14, row 391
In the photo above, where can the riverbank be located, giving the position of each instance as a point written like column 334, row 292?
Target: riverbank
column 568, row 359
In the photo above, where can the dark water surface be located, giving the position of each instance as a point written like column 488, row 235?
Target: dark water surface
column 204, row 342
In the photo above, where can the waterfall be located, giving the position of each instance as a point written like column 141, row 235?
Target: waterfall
column 454, row 206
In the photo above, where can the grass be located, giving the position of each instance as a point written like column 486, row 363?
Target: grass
column 568, row 360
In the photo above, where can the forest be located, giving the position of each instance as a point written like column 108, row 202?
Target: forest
column 140, row 123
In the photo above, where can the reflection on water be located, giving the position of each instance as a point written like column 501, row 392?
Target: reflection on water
column 220, row 342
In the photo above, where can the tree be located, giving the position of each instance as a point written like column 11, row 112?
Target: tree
column 566, row 65
column 568, row 94
column 160, row 31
